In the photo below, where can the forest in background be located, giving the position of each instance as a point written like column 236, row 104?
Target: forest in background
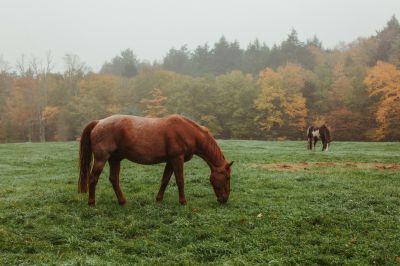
column 259, row 92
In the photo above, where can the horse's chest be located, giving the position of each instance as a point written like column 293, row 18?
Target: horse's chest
column 315, row 133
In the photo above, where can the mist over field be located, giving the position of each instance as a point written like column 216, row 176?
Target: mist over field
column 245, row 70
column 249, row 187
column 98, row 31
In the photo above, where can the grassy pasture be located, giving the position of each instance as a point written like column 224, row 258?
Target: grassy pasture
column 287, row 206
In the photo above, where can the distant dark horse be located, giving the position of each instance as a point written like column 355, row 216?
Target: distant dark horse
column 316, row 133
column 173, row 140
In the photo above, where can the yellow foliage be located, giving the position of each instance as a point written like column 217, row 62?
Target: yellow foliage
column 341, row 89
column 383, row 83
column 280, row 101
column 49, row 112
column 293, row 77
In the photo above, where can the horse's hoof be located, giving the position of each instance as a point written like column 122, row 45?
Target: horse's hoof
column 183, row 202
column 91, row 203
column 122, row 202
column 159, row 199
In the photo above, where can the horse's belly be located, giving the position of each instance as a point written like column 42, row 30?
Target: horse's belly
column 146, row 155
column 146, row 159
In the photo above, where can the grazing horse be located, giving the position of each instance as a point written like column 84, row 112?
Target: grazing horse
column 315, row 133
column 173, row 140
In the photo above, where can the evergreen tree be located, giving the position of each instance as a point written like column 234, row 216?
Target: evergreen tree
column 255, row 58
column 201, row 61
column 226, row 56
column 178, row 60
column 388, row 42
column 124, row 65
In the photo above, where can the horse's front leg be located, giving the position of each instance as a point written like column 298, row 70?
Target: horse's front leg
column 168, row 170
column 315, row 142
column 177, row 166
column 115, row 166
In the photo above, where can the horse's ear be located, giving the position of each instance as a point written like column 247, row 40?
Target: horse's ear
column 230, row 164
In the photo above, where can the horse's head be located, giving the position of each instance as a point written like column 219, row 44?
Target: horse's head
column 221, row 181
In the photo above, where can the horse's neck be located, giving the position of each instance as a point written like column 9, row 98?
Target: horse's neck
column 209, row 151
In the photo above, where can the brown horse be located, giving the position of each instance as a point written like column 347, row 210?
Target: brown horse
column 173, row 139
column 315, row 133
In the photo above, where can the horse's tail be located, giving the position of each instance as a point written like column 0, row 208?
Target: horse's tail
column 85, row 157
column 327, row 133
column 309, row 138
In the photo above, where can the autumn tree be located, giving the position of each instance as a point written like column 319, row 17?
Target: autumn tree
column 256, row 92
column 148, row 79
column 212, row 124
column 281, row 106
column 196, row 99
column 347, row 101
column 234, row 105
column 383, row 83
column 268, row 102
column 20, row 110
column 96, row 100
column 295, row 110
column 6, row 86
column 42, row 72
column 155, row 107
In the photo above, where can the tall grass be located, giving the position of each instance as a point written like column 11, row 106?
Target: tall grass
column 319, row 214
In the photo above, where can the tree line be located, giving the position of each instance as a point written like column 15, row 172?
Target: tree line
column 253, row 93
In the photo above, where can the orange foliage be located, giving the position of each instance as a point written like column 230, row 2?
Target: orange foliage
column 383, row 83
column 155, row 106
column 21, row 108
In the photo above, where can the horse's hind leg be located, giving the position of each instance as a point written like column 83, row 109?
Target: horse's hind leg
column 115, row 166
column 177, row 165
column 98, row 166
column 323, row 145
column 168, row 170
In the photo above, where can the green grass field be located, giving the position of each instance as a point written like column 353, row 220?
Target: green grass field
column 287, row 206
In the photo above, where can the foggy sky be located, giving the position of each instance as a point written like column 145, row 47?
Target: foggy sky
column 98, row 30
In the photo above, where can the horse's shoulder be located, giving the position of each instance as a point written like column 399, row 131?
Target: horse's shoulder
column 175, row 118
column 180, row 119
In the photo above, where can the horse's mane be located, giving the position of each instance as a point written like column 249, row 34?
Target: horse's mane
column 211, row 147
column 202, row 128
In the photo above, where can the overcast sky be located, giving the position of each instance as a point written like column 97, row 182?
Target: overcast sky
column 97, row 30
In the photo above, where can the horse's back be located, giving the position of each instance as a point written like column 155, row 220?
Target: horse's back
column 143, row 140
